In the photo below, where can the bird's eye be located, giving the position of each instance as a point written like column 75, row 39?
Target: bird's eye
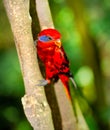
column 45, row 38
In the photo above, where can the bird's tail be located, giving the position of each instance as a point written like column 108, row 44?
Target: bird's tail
column 72, row 80
column 65, row 80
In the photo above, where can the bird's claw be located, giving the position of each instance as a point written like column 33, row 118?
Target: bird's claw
column 42, row 82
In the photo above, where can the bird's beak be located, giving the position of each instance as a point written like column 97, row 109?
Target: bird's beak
column 58, row 43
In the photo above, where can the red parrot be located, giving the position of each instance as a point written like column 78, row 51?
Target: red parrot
column 53, row 56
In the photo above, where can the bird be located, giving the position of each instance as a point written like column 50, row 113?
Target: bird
column 51, row 52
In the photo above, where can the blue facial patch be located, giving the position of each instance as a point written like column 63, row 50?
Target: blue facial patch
column 45, row 38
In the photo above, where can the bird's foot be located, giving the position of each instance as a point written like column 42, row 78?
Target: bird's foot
column 43, row 82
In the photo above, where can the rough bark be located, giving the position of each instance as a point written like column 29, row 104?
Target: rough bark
column 34, row 101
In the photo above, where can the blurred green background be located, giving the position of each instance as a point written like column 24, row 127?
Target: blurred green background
column 85, row 29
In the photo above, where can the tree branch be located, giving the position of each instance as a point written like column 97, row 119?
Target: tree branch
column 44, row 14
column 66, row 110
column 65, row 106
column 34, row 102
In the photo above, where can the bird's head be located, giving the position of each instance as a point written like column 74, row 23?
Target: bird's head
column 50, row 36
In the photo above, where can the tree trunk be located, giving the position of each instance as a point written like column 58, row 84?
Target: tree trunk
column 34, row 101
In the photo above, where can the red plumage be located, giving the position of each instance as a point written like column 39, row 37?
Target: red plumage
column 52, row 54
